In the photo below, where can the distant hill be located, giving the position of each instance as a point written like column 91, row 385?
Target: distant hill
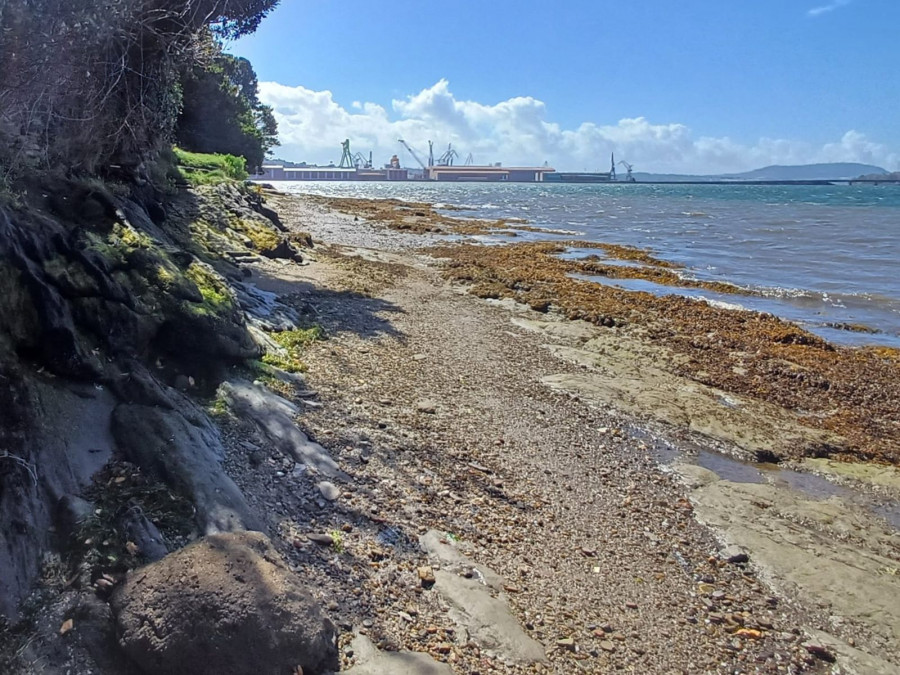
column 809, row 172
column 835, row 171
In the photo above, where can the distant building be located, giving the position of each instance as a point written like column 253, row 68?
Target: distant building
column 511, row 174
column 281, row 172
column 494, row 173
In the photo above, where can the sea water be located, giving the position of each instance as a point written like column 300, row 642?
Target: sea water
column 821, row 256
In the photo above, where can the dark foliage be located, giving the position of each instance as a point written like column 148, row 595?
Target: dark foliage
column 221, row 111
column 85, row 85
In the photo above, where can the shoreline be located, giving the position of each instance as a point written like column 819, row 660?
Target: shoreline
column 844, row 395
column 527, row 436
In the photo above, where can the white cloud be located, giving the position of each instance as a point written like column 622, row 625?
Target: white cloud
column 517, row 132
column 830, row 7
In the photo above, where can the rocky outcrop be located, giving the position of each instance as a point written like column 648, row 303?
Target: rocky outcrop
column 225, row 604
column 57, row 438
column 185, row 452
column 274, row 417
column 108, row 300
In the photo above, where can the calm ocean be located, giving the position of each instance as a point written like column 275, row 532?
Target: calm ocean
column 820, row 255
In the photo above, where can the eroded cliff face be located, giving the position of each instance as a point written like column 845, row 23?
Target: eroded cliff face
column 112, row 301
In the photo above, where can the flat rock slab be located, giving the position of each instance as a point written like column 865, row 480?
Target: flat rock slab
column 185, row 452
column 636, row 376
column 370, row 661
column 474, row 605
column 224, row 604
column 441, row 547
column 274, row 416
column 823, row 550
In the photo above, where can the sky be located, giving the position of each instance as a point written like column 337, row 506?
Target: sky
column 693, row 86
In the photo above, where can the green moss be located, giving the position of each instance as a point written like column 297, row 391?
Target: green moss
column 289, row 364
column 128, row 238
column 264, row 237
column 218, row 407
column 216, row 298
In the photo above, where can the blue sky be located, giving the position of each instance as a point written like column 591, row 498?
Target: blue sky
column 695, row 85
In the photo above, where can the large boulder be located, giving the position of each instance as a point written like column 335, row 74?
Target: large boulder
column 225, row 604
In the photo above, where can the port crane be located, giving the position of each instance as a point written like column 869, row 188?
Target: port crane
column 470, row 160
column 346, row 157
column 413, row 152
column 628, row 177
column 361, row 162
column 447, row 158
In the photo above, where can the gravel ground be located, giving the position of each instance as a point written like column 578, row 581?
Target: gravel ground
column 431, row 401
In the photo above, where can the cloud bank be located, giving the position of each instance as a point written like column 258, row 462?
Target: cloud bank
column 517, row 132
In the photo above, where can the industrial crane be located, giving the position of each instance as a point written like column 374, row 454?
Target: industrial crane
column 361, row 162
column 346, row 157
column 413, row 153
column 470, row 160
column 447, row 158
column 628, row 177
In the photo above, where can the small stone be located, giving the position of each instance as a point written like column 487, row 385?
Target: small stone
column 67, row 625
column 322, row 539
column 406, row 617
column 819, row 651
column 329, row 490
column 427, row 407
column 426, row 575
column 748, row 633
column 734, row 555
column 607, row 646
column 567, row 644
column 631, row 605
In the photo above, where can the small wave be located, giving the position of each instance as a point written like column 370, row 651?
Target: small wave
column 695, row 214
column 552, row 230
column 718, row 304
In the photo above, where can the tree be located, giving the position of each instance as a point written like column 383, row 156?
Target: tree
column 221, row 111
column 86, row 85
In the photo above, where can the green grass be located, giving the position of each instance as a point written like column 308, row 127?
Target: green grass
column 206, row 169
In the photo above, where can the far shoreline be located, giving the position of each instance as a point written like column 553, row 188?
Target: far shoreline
column 841, row 395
